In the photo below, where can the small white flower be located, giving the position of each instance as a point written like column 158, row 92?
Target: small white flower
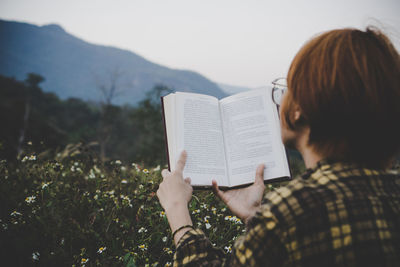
column 228, row 249
column 76, row 163
column 142, row 229
column 195, row 211
column 136, row 167
column 15, row 213
column 30, row 199
column 32, row 157
column 168, row 250
column 45, row 185
column 101, row 249
column 35, row 256
column 238, row 221
column 156, row 169
column 124, row 181
column 162, row 214
column 208, row 226
column 118, row 162
column 146, row 171
column 29, row 143
column 164, row 239
column 123, row 168
column 168, row 263
column 91, row 174
column 83, row 260
column 24, row 159
column 97, row 170
column 142, row 247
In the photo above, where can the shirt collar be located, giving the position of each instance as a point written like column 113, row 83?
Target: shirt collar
column 329, row 165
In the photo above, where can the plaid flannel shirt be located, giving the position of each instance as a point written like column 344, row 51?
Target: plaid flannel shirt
column 335, row 215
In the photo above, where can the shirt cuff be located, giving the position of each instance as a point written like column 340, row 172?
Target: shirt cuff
column 190, row 234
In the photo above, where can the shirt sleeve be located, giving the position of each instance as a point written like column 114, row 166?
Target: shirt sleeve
column 260, row 246
column 194, row 249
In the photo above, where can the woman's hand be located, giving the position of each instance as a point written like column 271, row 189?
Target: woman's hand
column 244, row 202
column 174, row 194
column 174, row 190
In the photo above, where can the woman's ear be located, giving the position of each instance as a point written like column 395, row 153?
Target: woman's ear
column 297, row 115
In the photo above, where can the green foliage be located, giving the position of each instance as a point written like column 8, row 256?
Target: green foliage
column 115, row 132
column 148, row 118
column 64, row 212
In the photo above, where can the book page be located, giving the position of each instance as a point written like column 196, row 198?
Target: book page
column 199, row 132
column 252, row 137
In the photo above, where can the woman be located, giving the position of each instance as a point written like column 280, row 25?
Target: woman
column 341, row 112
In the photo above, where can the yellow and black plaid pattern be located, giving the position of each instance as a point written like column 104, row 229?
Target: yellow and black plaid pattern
column 335, row 215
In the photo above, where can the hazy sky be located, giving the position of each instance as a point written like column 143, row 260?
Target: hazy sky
column 238, row 42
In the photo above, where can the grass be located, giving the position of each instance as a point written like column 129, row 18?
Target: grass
column 78, row 211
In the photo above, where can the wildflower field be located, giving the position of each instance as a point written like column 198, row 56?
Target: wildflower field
column 77, row 211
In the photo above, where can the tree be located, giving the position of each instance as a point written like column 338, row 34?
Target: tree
column 32, row 81
column 148, row 120
column 109, row 90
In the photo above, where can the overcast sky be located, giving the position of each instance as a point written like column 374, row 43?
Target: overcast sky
column 237, row 42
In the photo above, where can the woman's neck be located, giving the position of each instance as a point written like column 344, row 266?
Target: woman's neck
column 309, row 156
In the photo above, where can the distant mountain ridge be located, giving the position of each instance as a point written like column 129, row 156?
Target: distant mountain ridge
column 232, row 89
column 75, row 68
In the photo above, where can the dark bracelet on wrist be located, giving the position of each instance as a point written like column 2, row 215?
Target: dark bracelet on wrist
column 180, row 228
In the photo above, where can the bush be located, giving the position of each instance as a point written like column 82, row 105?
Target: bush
column 77, row 211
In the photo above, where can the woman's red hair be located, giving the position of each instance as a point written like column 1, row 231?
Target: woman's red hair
column 347, row 85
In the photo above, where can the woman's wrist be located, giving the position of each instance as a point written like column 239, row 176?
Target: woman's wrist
column 178, row 233
column 179, row 216
column 252, row 213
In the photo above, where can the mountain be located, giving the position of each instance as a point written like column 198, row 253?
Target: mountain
column 231, row 89
column 75, row 68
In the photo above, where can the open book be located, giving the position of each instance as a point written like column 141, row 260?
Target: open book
column 225, row 139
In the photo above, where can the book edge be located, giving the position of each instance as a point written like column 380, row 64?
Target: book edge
column 165, row 133
column 225, row 188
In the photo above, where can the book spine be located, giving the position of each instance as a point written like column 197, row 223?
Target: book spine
column 165, row 133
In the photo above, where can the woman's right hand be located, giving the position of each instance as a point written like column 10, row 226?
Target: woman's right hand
column 244, row 202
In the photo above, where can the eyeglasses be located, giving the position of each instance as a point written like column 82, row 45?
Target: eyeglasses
column 279, row 88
